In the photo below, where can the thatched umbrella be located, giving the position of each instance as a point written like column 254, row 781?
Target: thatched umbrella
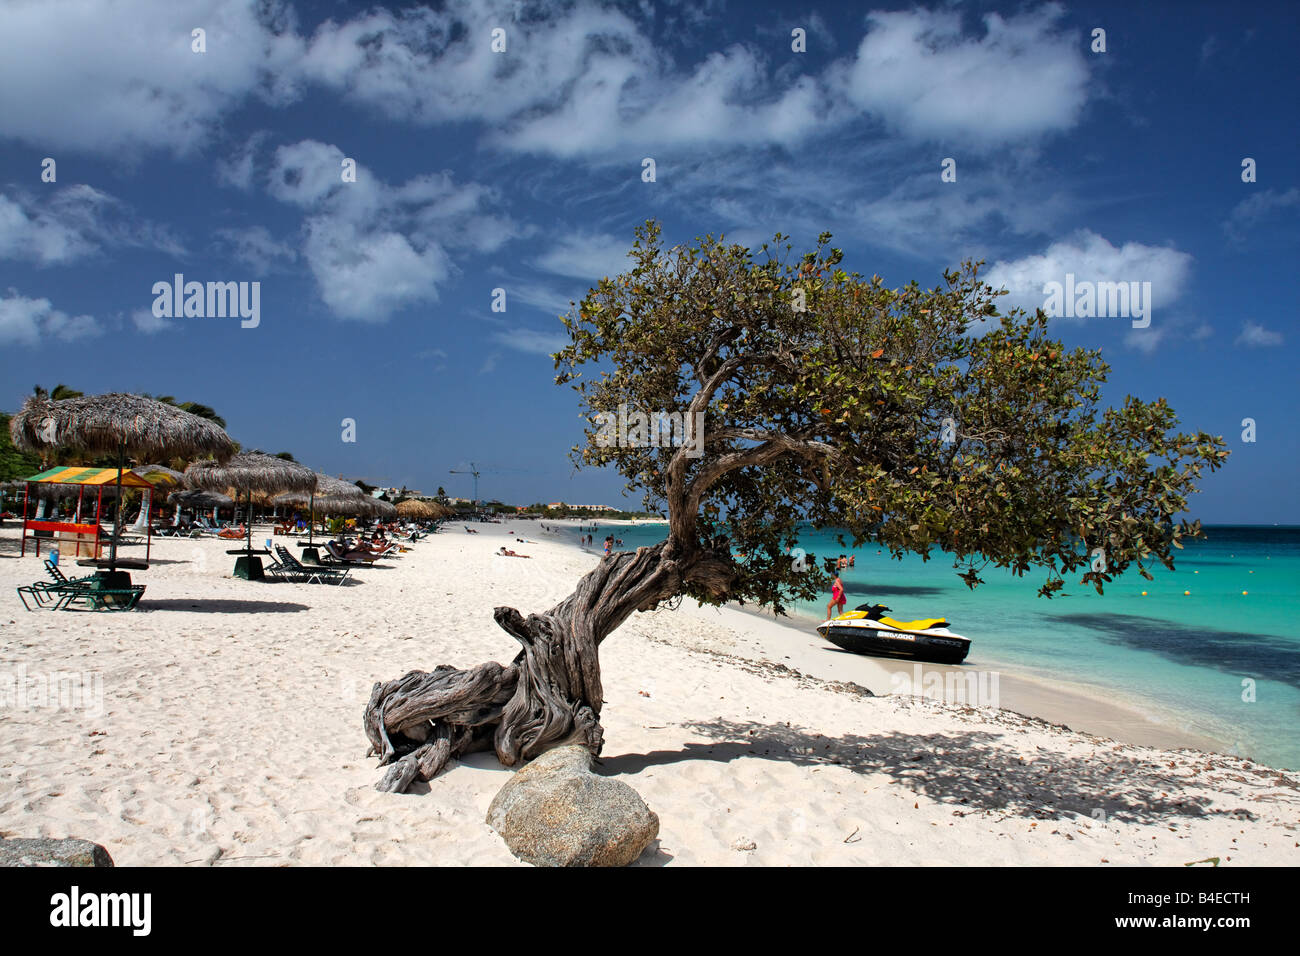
column 415, row 508
column 198, row 498
column 248, row 473
column 168, row 474
column 116, row 423
column 335, row 490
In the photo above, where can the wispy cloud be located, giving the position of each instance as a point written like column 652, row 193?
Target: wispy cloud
column 586, row 256
column 1255, row 336
column 1252, row 211
column 74, row 222
column 531, row 340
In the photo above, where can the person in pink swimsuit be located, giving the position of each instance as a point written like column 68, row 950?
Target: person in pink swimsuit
column 838, row 598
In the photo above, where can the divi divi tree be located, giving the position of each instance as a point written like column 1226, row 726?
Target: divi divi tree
column 920, row 419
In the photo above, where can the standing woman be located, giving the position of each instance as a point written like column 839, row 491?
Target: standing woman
column 838, row 599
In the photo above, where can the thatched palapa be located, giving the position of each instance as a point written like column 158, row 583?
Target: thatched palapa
column 105, row 424
column 198, row 498
column 250, row 472
column 152, row 472
column 116, row 423
column 415, row 508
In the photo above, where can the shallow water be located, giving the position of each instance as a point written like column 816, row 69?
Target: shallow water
column 1216, row 661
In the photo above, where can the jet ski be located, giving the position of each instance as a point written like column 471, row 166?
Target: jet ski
column 867, row 630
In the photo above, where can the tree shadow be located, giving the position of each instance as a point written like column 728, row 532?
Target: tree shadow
column 1229, row 652
column 973, row 771
column 220, row 606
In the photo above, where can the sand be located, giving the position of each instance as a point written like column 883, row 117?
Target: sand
column 220, row 724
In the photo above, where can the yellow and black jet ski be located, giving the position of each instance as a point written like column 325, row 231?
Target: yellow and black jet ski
column 867, row 630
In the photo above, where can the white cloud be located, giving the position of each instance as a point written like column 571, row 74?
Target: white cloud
column 375, row 248
column 37, row 236
column 25, row 321
column 148, row 323
column 102, row 77
column 579, row 79
column 1254, row 336
column 368, row 275
column 921, row 74
column 1089, row 257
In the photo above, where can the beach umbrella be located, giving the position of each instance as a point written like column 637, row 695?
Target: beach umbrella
column 249, row 473
column 149, row 472
column 414, row 508
column 197, row 498
column 116, row 423
column 335, row 489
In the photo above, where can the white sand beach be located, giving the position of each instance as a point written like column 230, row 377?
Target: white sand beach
column 222, row 726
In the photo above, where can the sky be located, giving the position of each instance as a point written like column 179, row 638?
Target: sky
column 1162, row 153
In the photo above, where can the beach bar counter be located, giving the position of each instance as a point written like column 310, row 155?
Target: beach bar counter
column 77, row 538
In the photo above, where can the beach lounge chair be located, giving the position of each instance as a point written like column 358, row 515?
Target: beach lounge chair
column 61, row 592
column 332, row 549
column 55, row 593
column 317, row 574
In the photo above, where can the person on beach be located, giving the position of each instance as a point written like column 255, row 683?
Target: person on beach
column 838, row 599
column 852, row 559
column 609, row 545
column 511, row 554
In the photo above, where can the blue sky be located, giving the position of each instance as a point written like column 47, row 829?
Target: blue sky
column 522, row 170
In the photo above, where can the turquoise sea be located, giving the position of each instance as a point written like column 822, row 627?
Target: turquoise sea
column 1215, row 662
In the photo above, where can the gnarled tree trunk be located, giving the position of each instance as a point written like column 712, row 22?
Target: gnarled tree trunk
column 551, row 693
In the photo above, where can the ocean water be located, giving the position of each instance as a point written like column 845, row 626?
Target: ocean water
column 1215, row 662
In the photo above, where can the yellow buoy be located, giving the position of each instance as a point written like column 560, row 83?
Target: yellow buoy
column 1187, row 592
column 1144, row 593
column 1244, row 593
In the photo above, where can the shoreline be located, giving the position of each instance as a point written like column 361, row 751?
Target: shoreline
column 1081, row 707
column 221, row 724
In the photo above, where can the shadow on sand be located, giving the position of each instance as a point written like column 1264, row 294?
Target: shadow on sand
column 972, row 771
column 221, row 606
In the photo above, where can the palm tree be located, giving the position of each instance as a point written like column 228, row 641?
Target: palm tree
column 194, row 408
column 61, row 391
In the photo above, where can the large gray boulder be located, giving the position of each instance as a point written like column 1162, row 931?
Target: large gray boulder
column 46, row 852
column 556, row 812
